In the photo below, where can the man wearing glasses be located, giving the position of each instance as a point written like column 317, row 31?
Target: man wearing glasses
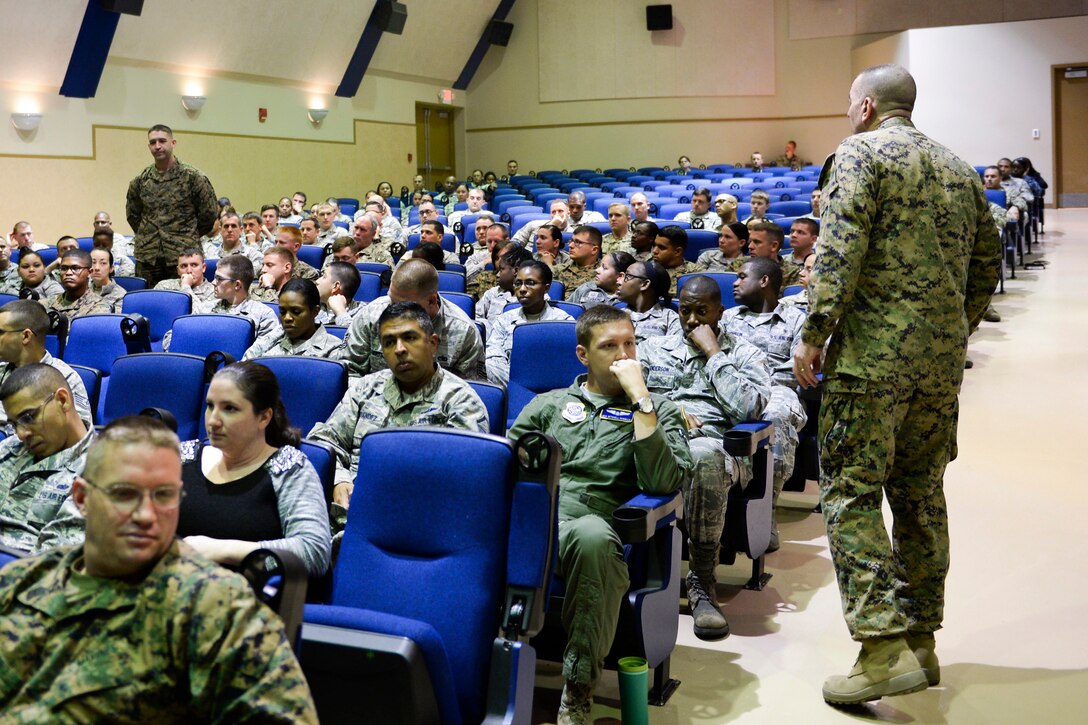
column 530, row 287
column 77, row 299
column 585, row 252
column 38, row 464
column 131, row 625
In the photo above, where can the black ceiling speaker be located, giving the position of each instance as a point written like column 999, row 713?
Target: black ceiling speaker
column 391, row 16
column 659, row 17
column 498, row 32
column 125, row 7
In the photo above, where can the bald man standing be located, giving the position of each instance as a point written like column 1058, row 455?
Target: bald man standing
column 892, row 372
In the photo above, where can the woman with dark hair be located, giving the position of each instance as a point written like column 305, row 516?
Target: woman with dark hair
column 300, row 304
column 251, row 488
column 732, row 250
column 644, row 287
column 32, row 272
column 431, row 253
column 102, row 283
column 1027, row 171
column 602, row 290
column 385, row 190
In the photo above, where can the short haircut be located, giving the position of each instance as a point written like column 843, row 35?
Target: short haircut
column 161, row 127
column 431, row 253
column 593, row 232
column 238, row 267
column 415, row 275
column 676, row 236
column 812, row 224
column 505, row 229
column 252, row 216
column 191, row 252
column 309, row 220
column 436, row 225
column 595, row 316
column 560, row 202
column 761, row 194
column 28, row 315
column 347, row 275
column 129, row 430
column 304, row 287
column 83, row 257
column 991, row 167
column 545, row 270
column 407, row 310
column 282, row 252
column 769, row 268
column 620, row 205
column 294, row 232
column 272, row 207
column 649, row 227
column 700, row 284
column 343, row 242
column 230, row 214
column 554, row 232
column 66, row 237
column 703, row 192
column 103, row 233
column 323, row 206
column 776, row 232
column 299, row 193
column 38, row 377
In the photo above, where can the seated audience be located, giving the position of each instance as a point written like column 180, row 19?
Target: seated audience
column 683, row 166
column 300, row 304
column 366, row 231
column 64, row 244
column 190, row 279
column 700, row 215
column 122, row 245
column 77, row 299
column 255, row 232
column 412, row 390
column 291, row 238
column 756, row 162
column 642, row 241
column 775, row 329
column 577, row 212
column 718, row 381
column 789, row 157
column 549, row 247
column 34, row 278
column 230, row 227
column 279, row 262
column 760, row 201
column 38, row 464
column 427, row 213
column 729, row 255
column 10, row 280
column 585, row 251
column 251, row 487
column 560, row 220
column 172, row 636
column 285, row 212
column 765, row 240
column 803, row 235
column 640, row 208
column 618, row 440
column 22, row 237
column 602, row 290
column 475, row 201
column 343, row 250
column 459, row 347
column 644, row 288
column 815, row 203
column 531, row 288
column 800, row 299
column 102, row 283
column 430, row 253
column 433, row 232
column 23, row 327
column 619, row 220
column 336, row 288
column 509, row 257
column 725, row 206
column 327, row 231
column 670, row 245
column 496, row 235
column 122, row 266
column 480, row 256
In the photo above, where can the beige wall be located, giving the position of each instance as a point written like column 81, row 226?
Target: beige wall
column 505, row 118
column 85, row 153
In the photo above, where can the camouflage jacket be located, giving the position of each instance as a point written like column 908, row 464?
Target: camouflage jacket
column 676, row 273
column 574, row 275
column 266, row 323
column 460, row 349
column 320, row 344
column 657, row 321
column 898, row 291
column 776, row 333
column 590, row 294
column 252, row 252
column 88, row 304
column 188, row 643
column 203, row 292
column 170, row 210
column 377, row 401
column 112, row 294
column 32, row 494
column 10, row 281
column 612, row 243
column 75, row 384
column 714, row 260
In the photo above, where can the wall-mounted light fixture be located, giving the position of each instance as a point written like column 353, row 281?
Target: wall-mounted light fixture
column 317, row 115
column 26, row 121
column 192, row 104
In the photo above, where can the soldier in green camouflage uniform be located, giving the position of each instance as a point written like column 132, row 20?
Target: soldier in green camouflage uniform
column 729, row 256
column 10, row 281
column 139, row 631
column 190, row 279
column 36, row 475
column 618, row 440
column 718, row 381
column 619, row 219
column 897, row 292
column 78, row 299
column 169, row 206
column 460, row 349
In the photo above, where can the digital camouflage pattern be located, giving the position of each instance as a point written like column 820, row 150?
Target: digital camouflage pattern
column 320, row 344
column 75, row 385
column 897, row 290
column 189, row 643
column 676, row 273
column 657, row 321
column 203, row 292
column 574, row 275
column 169, row 211
column 88, row 304
column 10, row 281
column 376, row 401
column 590, row 294
column 460, row 349
column 714, row 260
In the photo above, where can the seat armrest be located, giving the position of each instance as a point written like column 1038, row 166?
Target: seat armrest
column 639, row 519
column 744, row 439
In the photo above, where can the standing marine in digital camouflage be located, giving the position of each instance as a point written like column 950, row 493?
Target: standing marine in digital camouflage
column 897, row 293
column 170, row 206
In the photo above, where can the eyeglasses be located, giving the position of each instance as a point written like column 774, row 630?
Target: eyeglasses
column 127, row 499
column 628, row 275
column 581, row 243
column 527, row 283
column 73, row 268
column 221, row 280
column 30, row 417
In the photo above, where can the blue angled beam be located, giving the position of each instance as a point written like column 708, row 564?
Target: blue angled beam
column 90, row 52
column 480, row 51
column 360, row 59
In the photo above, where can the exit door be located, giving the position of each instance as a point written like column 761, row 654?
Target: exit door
column 1070, row 141
column 434, row 143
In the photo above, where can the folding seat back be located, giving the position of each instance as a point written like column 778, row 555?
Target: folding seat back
column 449, row 281
column 573, row 309
column 793, row 289
column 517, row 222
column 95, row 341
column 201, row 334
column 532, row 343
column 669, row 211
column 460, row 299
column 160, row 307
column 323, row 458
column 700, row 240
column 375, row 267
column 131, row 284
column 210, row 266
column 338, row 330
column 313, row 254
column 725, row 282
column 791, row 208
column 6, row 298
column 92, row 381
column 310, row 387
column 749, row 509
column 348, row 205
column 471, row 526
column 494, row 399
column 370, row 286
column 164, row 380
column 449, row 241
column 996, row 196
column 557, row 290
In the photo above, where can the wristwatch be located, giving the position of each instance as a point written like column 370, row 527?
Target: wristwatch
column 644, row 405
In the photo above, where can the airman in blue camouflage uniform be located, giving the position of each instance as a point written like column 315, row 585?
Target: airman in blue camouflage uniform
column 897, row 293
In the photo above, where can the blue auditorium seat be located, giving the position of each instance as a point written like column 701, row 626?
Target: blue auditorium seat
column 370, row 286
column 725, row 282
column 131, row 284
column 312, row 254
column 791, row 208
column 92, row 381
column 533, row 342
column 700, row 240
column 165, row 380
column 494, row 399
column 460, row 299
column 310, row 387
column 201, row 334
column 451, row 282
column 160, row 307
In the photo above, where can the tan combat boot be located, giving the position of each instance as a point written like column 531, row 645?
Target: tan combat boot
column 886, row 666
column 925, row 649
